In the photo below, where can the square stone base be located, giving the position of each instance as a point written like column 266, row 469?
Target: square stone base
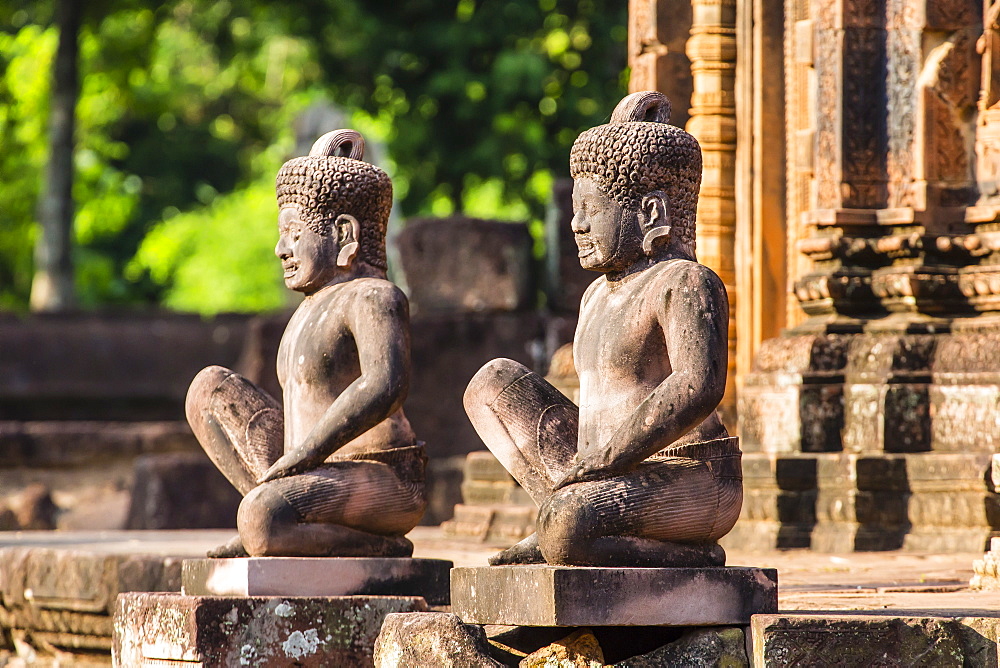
column 546, row 595
column 154, row 629
column 310, row 576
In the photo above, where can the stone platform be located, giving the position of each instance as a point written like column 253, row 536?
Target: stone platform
column 546, row 595
column 173, row 629
column 302, row 576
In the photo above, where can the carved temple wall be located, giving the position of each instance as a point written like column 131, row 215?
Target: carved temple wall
column 864, row 263
column 687, row 50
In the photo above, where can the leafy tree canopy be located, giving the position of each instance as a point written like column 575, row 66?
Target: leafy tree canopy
column 188, row 107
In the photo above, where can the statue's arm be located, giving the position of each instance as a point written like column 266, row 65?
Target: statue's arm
column 379, row 323
column 694, row 316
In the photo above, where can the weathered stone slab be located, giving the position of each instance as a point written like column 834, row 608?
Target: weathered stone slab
column 305, row 576
column 870, row 640
column 576, row 596
column 431, row 640
column 173, row 629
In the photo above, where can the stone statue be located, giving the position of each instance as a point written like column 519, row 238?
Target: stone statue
column 337, row 471
column 643, row 473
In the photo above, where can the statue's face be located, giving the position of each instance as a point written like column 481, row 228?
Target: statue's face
column 308, row 259
column 605, row 234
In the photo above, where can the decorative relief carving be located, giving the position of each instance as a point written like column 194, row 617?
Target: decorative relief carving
column 864, row 146
column 826, row 172
column 847, row 292
column 903, row 60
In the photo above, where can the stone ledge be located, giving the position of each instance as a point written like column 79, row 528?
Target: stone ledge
column 310, row 576
column 576, row 596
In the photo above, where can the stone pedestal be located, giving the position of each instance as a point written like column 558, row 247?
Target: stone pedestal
column 274, row 611
column 546, row 595
column 210, row 631
column 554, row 615
column 304, row 576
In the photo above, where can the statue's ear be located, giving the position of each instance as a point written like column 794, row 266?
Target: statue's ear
column 655, row 208
column 348, row 233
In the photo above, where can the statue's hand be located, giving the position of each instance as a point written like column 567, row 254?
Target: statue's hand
column 291, row 463
column 582, row 471
column 594, row 466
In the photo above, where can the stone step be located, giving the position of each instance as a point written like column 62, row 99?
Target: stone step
column 481, row 465
column 500, row 525
column 484, row 493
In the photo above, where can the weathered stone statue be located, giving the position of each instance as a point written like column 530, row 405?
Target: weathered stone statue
column 643, row 473
column 337, row 471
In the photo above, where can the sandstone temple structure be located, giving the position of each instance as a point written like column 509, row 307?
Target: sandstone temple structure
column 851, row 204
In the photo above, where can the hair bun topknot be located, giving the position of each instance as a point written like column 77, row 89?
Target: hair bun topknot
column 649, row 106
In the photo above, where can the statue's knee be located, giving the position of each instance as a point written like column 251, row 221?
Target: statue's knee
column 491, row 380
column 201, row 388
column 566, row 521
column 263, row 518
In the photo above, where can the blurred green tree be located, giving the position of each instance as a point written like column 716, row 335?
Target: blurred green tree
column 190, row 106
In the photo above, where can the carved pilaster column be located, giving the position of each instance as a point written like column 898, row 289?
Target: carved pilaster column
column 657, row 33
column 712, row 50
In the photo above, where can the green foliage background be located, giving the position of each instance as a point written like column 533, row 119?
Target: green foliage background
column 188, row 107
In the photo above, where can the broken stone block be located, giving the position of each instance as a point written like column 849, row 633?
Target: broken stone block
column 36, row 510
column 580, row 649
column 311, row 576
column 431, row 640
column 701, row 647
column 546, row 595
column 162, row 499
column 465, row 264
column 164, row 629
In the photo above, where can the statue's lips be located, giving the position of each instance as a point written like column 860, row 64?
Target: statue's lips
column 290, row 268
column 584, row 246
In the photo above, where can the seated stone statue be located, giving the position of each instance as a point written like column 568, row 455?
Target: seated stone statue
column 643, row 473
column 337, row 470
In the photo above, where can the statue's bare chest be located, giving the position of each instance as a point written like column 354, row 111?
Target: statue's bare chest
column 619, row 333
column 317, row 349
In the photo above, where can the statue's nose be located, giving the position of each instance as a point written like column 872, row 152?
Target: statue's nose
column 580, row 224
column 282, row 249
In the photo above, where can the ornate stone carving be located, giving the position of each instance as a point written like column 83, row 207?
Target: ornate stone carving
column 712, row 50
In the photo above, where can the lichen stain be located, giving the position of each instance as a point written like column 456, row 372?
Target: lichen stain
column 301, row 644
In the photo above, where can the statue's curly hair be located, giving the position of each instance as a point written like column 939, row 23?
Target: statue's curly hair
column 323, row 186
column 638, row 153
